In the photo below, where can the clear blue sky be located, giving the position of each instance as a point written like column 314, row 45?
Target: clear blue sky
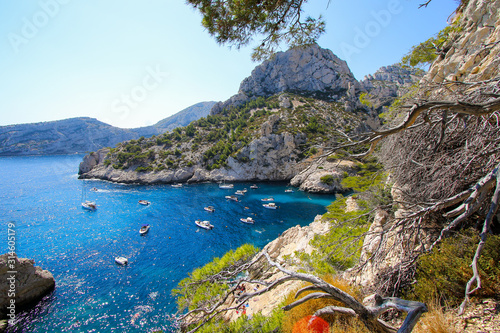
column 131, row 63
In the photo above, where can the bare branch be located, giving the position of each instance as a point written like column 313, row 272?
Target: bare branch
column 484, row 234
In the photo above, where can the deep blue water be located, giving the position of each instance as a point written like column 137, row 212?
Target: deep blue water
column 42, row 196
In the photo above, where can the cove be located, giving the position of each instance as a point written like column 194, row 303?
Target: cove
column 42, row 196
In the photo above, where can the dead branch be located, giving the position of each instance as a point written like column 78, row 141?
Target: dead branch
column 458, row 107
column 368, row 315
column 484, row 234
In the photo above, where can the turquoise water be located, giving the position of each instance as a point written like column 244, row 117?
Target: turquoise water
column 42, row 196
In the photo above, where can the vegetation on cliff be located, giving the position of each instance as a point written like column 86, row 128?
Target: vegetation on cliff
column 210, row 141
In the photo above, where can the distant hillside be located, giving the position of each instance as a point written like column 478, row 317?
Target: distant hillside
column 80, row 135
column 184, row 117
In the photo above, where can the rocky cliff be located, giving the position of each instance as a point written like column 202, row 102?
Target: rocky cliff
column 387, row 84
column 472, row 54
column 311, row 71
column 285, row 111
column 29, row 284
column 282, row 250
column 81, row 135
column 469, row 60
column 263, row 142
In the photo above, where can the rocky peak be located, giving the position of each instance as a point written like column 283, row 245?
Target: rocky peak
column 309, row 71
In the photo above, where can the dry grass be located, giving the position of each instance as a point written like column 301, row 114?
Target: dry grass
column 338, row 323
column 438, row 320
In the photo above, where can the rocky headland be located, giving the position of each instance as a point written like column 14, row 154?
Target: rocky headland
column 285, row 113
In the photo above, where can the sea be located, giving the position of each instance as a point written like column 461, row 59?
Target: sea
column 40, row 197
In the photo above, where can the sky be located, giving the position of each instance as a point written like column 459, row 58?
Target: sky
column 131, row 63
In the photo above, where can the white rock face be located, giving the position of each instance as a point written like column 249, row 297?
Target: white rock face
column 295, row 239
column 473, row 56
column 309, row 179
column 299, row 70
column 311, row 71
column 388, row 83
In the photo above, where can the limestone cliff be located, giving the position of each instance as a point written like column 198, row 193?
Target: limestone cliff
column 387, row 84
column 307, row 71
column 292, row 241
column 472, row 54
column 31, row 283
column 285, row 111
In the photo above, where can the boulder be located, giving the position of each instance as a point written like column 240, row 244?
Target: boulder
column 309, row 179
column 31, row 283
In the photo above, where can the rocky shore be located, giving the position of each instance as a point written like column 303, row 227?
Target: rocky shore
column 28, row 285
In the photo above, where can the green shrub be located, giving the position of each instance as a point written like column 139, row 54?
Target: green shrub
column 424, row 53
column 327, row 179
column 144, row 168
column 341, row 246
column 363, row 98
column 256, row 324
column 443, row 273
column 195, row 290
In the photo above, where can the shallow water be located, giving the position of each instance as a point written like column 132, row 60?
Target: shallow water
column 42, row 196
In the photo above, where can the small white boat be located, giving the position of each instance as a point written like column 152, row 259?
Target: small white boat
column 177, row 185
column 144, row 202
column 94, row 189
column 270, row 205
column 247, row 220
column 144, row 229
column 254, row 187
column 121, row 260
column 289, row 190
column 226, row 186
column 210, row 209
column 204, row 224
column 89, row 205
column 267, row 199
column 240, row 192
column 232, row 197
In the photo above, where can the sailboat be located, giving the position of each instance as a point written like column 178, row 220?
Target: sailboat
column 225, row 186
column 86, row 204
